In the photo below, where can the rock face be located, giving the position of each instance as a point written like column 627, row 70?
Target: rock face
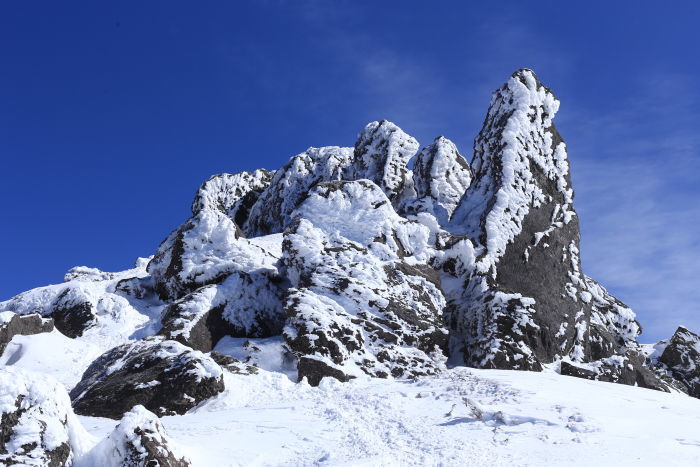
column 139, row 440
column 164, row 376
column 682, row 359
column 36, row 420
column 12, row 324
column 381, row 154
column 362, row 301
column 525, row 301
column 440, row 177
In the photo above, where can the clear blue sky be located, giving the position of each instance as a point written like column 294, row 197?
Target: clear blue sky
column 113, row 113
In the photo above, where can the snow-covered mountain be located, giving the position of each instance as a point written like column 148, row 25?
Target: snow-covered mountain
column 326, row 313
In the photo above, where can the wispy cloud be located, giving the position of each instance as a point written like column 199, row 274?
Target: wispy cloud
column 637, row 176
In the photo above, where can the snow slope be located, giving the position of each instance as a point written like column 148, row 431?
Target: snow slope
column 527, row 419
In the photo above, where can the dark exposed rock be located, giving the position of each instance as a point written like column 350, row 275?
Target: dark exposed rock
column 73, row 312
column 164, row 376
column 681, row 358
column 139, row 440
column 357, row 305
column 34, row 411
column 628, row 371
column 22, row 325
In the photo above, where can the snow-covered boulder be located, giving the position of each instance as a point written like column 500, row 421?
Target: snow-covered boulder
column 381, row 154
column 290, row 185
column 525, row 301
column 37, row 426
column 363, row 299
column 232, row 194
column 242, row 305
column 440, row 177
column 204, row 250
column 164, row 376
column 12, row 324
column 681, row 358
column 139, row 440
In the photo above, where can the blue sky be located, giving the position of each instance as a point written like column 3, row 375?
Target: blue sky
column 113, row 113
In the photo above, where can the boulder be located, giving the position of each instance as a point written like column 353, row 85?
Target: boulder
column 12, row 324
column 139, row 440
column 681, row 358
column 162, row 375
column 36, row 420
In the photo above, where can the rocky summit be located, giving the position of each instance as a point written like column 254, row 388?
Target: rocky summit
column 384, row 260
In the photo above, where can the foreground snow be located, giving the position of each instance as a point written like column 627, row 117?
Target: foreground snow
column 526, row 419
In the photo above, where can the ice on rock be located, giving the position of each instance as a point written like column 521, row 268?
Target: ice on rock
column 381, row 154
column 205, row 250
